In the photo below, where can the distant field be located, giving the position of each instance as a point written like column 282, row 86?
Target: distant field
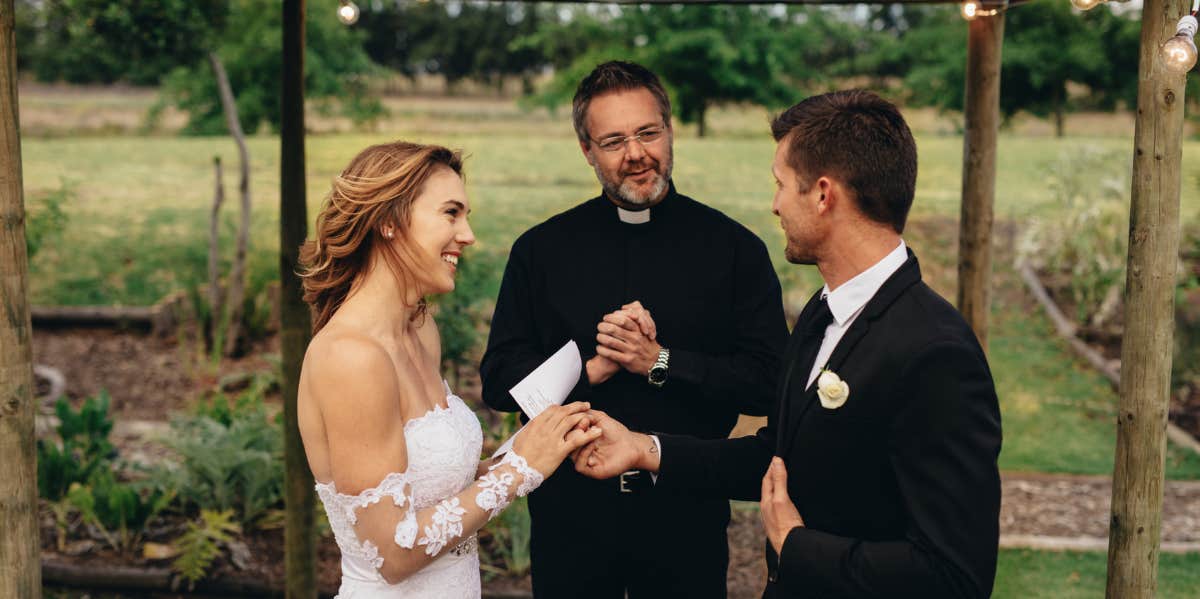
column 142, row 197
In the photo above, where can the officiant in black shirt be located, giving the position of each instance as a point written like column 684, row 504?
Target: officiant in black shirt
column 677, row 314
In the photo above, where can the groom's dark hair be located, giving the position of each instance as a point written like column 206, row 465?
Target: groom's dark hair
column 860, row 139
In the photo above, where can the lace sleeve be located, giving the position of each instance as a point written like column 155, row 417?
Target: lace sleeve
column 398, row 539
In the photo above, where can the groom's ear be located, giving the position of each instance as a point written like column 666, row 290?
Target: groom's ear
column 827, row 195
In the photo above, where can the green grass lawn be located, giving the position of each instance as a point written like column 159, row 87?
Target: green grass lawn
column 1026, row 574
column 138, row 224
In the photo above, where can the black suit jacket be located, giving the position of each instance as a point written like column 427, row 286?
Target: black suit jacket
column 898, row 488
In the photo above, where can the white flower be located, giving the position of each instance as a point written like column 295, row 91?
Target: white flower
column 832, row 390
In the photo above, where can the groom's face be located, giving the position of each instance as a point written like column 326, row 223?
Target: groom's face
column 795, row 205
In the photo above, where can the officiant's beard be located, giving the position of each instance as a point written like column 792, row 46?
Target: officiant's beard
column 628, row 195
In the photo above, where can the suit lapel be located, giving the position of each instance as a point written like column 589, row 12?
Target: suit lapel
column 908, row 275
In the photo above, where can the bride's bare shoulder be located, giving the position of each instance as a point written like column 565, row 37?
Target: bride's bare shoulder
column 341, row 362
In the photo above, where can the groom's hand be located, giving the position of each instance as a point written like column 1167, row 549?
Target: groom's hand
column 779, row 514
column 617, row 450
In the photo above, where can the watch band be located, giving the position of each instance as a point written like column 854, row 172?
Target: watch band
column 657, row 375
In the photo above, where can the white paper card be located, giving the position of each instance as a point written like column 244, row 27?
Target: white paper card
column 548, row 385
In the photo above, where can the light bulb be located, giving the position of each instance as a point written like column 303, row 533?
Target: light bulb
column 1086, row 4
column 1179, row 53
column 348, row 12
column 970, row 10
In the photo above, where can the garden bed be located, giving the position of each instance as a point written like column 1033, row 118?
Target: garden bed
column 1104, row 341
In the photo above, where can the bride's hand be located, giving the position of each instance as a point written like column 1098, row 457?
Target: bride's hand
column 548, row 439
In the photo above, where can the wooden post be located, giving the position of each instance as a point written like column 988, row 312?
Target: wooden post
column 20, row 554
column 1136, row 522
column 295, row 322
column 985, row 36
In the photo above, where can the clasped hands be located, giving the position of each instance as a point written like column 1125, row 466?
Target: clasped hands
column 617, row 450
column 625, row 338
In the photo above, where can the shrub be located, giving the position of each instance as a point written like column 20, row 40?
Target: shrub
column 463, row 313
column 119, row 511
column 1087, row 241
column 81, row 450
column 230, row 458
column 46, row 218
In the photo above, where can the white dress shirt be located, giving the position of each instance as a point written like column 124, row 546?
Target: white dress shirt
column 848, row 300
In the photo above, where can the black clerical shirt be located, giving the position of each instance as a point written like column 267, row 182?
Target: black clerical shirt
column 707, row 281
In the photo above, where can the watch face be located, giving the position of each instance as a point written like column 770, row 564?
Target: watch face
column 658, row 374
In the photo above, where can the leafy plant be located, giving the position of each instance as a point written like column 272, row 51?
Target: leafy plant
column 219, row 407
column 201, row 543
column 508, row 551
column 82, row 449
column 249, row 45
column 46, row 217
column 233, row 465
column 119, row 511
column 1087, row 243
column 461, row 315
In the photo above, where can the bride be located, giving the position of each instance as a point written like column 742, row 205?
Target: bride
column 394, row 452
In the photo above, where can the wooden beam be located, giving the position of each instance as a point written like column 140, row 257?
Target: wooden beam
column 748, row 2
column 300, row 551
column 1135, row 526
column 20, row 571
column 985, row 37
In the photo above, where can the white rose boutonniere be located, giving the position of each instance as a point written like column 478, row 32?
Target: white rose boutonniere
column 832, row 390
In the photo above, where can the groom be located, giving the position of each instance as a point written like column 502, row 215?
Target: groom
column 877, row 472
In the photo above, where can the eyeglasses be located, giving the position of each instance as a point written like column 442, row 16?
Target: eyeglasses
column 617, row 143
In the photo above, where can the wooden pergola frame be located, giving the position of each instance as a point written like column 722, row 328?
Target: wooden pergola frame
column 1149, row 297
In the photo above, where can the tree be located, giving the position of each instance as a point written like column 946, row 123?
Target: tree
column 706, row 56
column 458, row 41
column 1047, row 45
column 335, row 69
column 98, row 41
column 711, row 55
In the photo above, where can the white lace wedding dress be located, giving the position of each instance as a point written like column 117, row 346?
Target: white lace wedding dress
column 443, row 454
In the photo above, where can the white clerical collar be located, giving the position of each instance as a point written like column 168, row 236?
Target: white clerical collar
column 850, row 298
column 633, row 217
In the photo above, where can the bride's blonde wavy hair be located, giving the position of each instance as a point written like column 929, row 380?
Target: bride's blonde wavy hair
column 376, row 189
